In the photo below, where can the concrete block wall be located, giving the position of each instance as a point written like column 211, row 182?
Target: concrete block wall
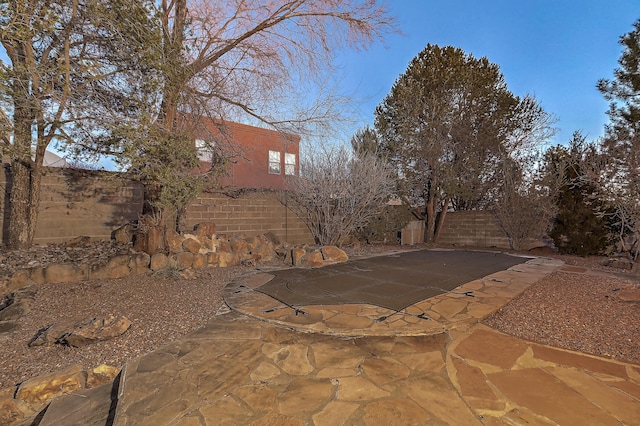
column 78, row 202
column 252, row 213
column 82, row 202
column 473, row 228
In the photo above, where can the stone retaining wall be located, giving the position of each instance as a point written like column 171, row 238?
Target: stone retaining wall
column 198, row 250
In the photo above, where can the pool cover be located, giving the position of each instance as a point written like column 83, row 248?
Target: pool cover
column 393, row 281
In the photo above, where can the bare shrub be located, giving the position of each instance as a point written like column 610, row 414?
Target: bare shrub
column 338, row 193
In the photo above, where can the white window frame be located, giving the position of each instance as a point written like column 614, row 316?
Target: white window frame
column 204, row 150
column 275, row 162
column 289, row 164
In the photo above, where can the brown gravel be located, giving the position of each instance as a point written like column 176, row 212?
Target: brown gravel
column 161, row 307
column 578, row 312
column 566, row 310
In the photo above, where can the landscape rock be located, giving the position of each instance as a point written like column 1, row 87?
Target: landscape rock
column 124, row 234
column 542, row 251
column 628, row 294
column 43, row 388
column 205, row 229
column 66, row 272
column 297, row 253
column 213, row 259
column 238, row 245
column 15, row 310
column 19, row 279
column 182, row 260
column 7, row 327
column 94, row 330
column 159, row 261
column 139, row 263
column 313, row 259
column 334, row 254
column 117, row 266
column 273, row 238
column 100, row 375
column 199, row 261
column 253, row 243
column 174, row 241
column 9, row 412
column 619, row 262
column 148, row 242
column 36, row 275
column 82, row 241
column 80, row 334
column 191, row 245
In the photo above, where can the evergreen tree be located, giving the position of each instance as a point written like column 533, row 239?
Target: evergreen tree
column 579, row 227
column 618, row 173
column 447, row 125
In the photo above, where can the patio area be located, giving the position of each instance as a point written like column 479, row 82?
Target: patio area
column 273, row 359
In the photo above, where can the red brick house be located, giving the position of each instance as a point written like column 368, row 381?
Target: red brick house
column 261, row 158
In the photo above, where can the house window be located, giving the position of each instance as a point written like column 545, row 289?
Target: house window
column 289, row 164
column 204, row 150
column 274, row 162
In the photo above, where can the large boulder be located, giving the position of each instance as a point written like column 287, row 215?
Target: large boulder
column 334, row 254
column 43, row 388
column 82, row 333
column 205, row 229
column 174, row 241
column 313, row 259
column 191, row 245
column 94, row 330
column 124, row 234
column 149, row 242
column 66, row 272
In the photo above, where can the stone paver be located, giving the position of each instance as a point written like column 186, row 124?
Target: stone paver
column 275, row 375
column 264, row 363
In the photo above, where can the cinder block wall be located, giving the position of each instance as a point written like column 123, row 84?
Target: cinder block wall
column 83, row 202
column 252, row 213
column 472, row 228
column 78, row 202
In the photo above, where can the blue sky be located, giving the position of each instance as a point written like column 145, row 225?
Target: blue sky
column 555, row 50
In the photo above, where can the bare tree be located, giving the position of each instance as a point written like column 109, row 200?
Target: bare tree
column 525, row 203
column 261, row 62
column 338, row 193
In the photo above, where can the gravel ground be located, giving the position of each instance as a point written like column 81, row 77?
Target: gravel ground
column 573, row 311
column 577, row 312
column 161, row 308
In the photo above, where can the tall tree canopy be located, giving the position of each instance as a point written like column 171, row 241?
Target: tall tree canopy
column 618, row 173
column 448, row 125
column 56, row 50
column 579, row 226
column 147, row 72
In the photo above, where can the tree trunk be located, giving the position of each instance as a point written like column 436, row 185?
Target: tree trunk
column 431, row 220
column 24, row 199
column 443, row 213
column 21, row 229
